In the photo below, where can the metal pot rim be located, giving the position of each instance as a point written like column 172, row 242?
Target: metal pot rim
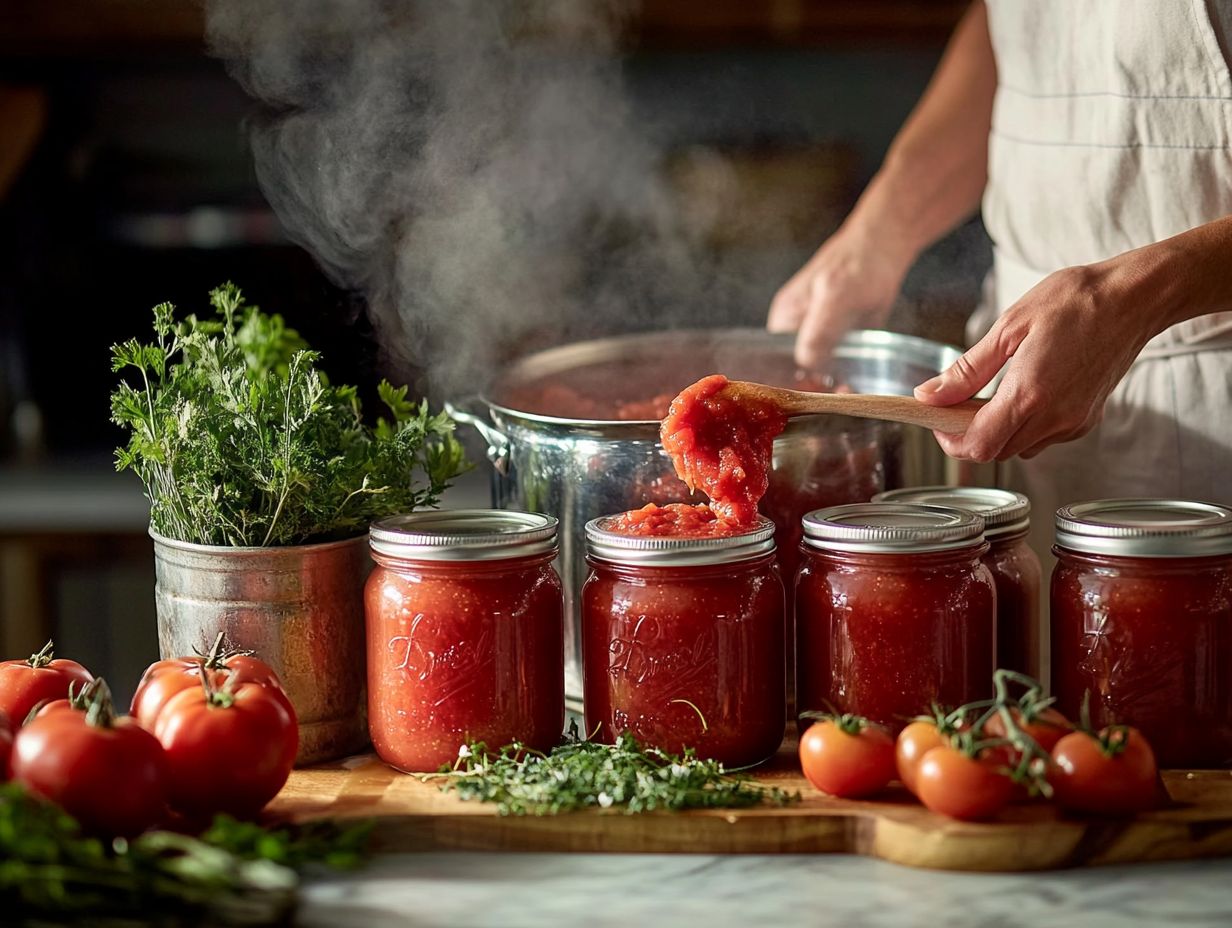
column 193, row 547
column 926, row 352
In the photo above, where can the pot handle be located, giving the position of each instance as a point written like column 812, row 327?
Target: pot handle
column 498, row 441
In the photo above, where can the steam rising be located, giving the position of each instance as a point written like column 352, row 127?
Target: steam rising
column 472, row 167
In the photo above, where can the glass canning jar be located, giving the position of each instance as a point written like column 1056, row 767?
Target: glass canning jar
column 1015, row 568
column 683, row 642
column 465, row 635
column 895, row 609
column 1142, row 620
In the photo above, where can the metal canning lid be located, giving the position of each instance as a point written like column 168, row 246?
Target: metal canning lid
column 1004, row 512
column 668, row 551
column 1146, row 528
column 892, row 528
column 464, row 535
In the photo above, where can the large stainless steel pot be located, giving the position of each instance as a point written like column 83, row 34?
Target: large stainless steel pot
column 578, row 468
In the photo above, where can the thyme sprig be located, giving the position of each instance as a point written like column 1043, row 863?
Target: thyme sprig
column 240, row 440
column 583, row 774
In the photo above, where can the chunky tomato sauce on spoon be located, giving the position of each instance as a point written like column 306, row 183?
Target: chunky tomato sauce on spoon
column 721, row 444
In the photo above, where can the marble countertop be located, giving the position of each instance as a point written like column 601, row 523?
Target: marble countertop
column 475, row 890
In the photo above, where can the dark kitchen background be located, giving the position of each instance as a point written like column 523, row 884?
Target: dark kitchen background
column 126, row 179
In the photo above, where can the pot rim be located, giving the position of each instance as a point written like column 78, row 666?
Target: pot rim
column 193, row 547
column 854, row 344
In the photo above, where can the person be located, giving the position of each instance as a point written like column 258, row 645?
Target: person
column 1098, row 136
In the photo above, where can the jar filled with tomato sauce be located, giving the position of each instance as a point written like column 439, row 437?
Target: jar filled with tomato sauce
column 1014, row 566
column 895, row 609
column 683, row 641
column 1142, row 621
column 465, row 635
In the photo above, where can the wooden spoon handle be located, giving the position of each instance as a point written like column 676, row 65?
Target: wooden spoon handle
column 955, row 419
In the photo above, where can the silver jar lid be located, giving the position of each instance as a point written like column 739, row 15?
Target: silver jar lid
column 464, row 535
column 1146, row 528
column 892, row 528
column 1004, row 512
column 672, row 551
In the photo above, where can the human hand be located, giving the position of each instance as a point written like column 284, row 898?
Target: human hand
column 851, row 282
column 1068, row 341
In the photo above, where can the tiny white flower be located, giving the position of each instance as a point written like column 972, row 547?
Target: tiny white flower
column 604, row 800
column 464, row 752
column 679, row 770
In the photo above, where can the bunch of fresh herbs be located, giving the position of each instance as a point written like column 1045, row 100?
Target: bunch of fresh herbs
column 241, row 440
column 581, row 774
column 236, row 873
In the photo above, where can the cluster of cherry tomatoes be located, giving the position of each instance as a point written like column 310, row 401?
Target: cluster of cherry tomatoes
column 206, row 735
column 971, row 762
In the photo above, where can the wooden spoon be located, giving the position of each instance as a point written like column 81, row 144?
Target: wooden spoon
column 954, row 419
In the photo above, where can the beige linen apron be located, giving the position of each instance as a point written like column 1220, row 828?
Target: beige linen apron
column 1111, row 129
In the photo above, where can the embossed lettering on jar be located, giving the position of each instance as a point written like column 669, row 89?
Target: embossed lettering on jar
column 1015, row 568
column 894, row 610
column 465, row 635
column 1142, row 620
column 683, row 642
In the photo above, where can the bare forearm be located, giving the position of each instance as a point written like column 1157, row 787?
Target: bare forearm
column 1182, row 277
column 936, row 169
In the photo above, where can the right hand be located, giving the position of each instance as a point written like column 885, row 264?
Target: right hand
column 851, row 282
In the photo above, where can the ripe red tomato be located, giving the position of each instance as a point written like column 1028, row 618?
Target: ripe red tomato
column 847, row 757
column 106, row 772
column 1046, row 727
column 1113, row 773
column 26, row 683
column 228, row 750
column 6, row 746
column 78, row 700
column 163, row 679
column 955, row 784
column 914, row 741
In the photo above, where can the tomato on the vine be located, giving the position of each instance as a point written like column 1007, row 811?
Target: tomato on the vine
column 1112, row 773
column 954, row 783
column 847, row 756
column 1046, row 727
column 914, row 741
column 106, row 771
column 40, row 677
column 229, row 748
column 163, row 679
column 6, row 746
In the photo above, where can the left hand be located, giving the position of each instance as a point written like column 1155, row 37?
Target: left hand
column 1068, row 341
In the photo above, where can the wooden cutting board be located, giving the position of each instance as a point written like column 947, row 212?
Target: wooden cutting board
column 414, row 815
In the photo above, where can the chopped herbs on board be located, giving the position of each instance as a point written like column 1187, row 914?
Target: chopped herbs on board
column 581, row 774
column 235, row 873
column 241, row 440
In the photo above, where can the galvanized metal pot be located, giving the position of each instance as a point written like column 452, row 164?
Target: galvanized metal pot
column 299, row 608
column 577, row 469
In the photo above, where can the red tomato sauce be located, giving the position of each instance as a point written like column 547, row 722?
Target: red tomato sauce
column 675, row 520
column 686, row 657
column 722, row 446
column 1016, row 572
column 883, row 635
column 1151, row 640
column 460, row 652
